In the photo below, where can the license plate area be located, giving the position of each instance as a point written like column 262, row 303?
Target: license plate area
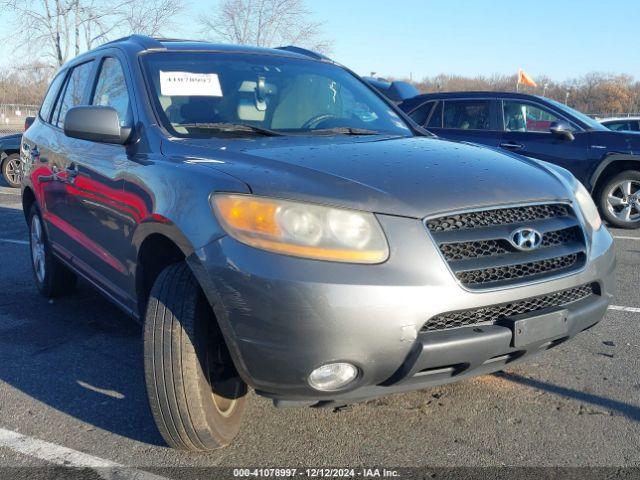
column 529, row 329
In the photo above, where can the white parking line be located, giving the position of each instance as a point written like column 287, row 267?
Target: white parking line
column 624, row 309
column 622, row 237
column 66, row 457
column 17, row 242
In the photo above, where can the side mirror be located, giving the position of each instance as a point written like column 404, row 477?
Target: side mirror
column 96, row 124
column 562, row 130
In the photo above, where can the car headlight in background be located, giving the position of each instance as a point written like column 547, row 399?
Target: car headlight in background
column 302, row 229
column 587, row 206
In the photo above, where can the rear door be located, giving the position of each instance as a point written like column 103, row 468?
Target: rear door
column 50, row 148
column 526, row 131
column 470, row 120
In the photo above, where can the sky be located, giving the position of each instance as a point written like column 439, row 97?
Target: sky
column 417, row 38
column 562, row 39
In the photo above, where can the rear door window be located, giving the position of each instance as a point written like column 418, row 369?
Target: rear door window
column 74, row 93
column 467, row 114
column 50, row 97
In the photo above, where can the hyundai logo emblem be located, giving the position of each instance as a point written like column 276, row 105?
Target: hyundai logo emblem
column 526, row 239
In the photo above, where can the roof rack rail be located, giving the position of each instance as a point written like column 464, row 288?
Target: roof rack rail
column 303, row 51
column 161, row 39
column 143, row 40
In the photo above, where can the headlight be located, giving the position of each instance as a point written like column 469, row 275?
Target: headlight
column 302, row 229
column 587, row 206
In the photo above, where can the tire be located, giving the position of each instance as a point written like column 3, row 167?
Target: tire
column 11, row 170
column 619, row 200
column 52, row 278
column 196, row 396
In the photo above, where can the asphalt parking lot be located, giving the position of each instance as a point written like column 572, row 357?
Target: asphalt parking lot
column 71, row 378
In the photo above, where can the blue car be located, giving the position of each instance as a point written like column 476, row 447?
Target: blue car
column 606, row 162
column 10, row 156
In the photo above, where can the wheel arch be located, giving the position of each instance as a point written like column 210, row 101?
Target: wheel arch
column 170, row 246
column 10, row 151
column 157, row 246
column 610, row 166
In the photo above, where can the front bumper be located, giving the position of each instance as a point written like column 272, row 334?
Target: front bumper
column 283, row 316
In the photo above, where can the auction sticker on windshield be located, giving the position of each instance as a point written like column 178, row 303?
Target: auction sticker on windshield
column 188, row 84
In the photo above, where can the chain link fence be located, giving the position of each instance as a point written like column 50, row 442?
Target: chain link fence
column 13, row 115
column 602, row 116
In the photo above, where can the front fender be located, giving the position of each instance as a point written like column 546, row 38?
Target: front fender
column 606, row 162
column 172, row 199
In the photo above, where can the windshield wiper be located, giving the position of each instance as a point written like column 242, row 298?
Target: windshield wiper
column 230, row 127
column 344, row 131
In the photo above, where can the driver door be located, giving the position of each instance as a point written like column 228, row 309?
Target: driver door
column 526, row 131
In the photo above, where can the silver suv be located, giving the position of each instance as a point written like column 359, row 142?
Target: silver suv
column 277, row 224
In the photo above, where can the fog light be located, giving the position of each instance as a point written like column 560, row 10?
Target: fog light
column 333, row 376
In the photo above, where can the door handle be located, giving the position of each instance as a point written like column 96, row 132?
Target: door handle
column 512, row 146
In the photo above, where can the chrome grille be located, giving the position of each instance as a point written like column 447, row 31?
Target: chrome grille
column 492, row 314
column 478, row 249
column 500, row 216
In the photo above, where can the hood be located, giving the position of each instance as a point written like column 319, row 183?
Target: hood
column 414, row 177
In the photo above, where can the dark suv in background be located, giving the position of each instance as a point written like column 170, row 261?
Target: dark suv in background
column 605, row 161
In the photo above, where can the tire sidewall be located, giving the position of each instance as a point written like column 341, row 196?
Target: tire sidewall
column 227, row 425
column 46, row 286
column 603, row 204
column 179, row 319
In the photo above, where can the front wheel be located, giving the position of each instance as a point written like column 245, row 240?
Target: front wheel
column 619, row 200
column 196, row 396
column 12, row 170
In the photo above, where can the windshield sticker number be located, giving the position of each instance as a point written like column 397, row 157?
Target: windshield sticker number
column 187, row 84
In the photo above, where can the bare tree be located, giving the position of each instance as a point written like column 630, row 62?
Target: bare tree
column 151, row 17
column 44, row 23
column 264, row 23
column 56, row 28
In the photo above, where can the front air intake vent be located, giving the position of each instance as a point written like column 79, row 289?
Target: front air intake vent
column 493, row 313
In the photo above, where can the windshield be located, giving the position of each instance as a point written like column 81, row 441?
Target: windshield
column 590, row 122
column 208, row 94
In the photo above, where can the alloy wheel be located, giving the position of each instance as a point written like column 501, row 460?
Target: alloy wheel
column 13, row 171
column 623, row 200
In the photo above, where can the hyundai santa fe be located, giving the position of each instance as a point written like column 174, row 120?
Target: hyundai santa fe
column 278, row 225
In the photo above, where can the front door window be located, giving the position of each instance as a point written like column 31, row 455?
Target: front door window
column 525, row 117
